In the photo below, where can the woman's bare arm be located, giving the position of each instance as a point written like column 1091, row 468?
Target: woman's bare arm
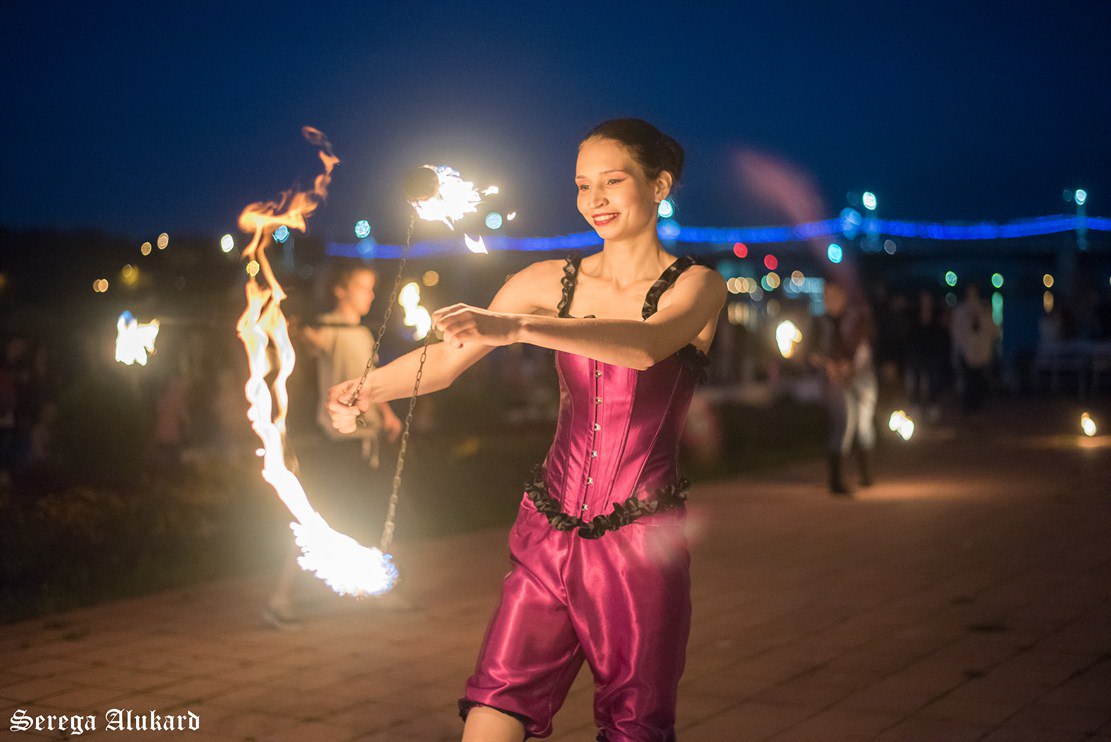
column 694, row 303
column 445, row 361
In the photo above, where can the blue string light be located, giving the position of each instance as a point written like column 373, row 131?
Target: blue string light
column 722, row 238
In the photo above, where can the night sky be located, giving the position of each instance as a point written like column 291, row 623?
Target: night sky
column 142, row 117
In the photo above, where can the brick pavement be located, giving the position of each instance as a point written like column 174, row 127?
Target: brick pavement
column 965, row 597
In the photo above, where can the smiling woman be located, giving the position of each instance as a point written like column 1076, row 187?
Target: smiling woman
column 601, row 568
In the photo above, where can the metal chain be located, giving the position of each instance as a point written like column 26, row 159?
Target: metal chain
column 395, row 489
column 387, row 531
column 370, row 362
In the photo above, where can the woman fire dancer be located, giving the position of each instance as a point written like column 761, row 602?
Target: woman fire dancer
column 600, row 561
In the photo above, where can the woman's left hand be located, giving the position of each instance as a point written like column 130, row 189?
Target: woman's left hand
column 462, row 323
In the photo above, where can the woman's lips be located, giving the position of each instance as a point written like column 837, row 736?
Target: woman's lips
column 601, row 219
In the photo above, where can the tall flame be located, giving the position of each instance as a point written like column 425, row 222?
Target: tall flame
column 344, row 564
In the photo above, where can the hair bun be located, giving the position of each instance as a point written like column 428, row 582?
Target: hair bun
column 653, row 150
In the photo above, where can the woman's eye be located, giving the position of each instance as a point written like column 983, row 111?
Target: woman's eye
column 614, row 181
column 583, row 187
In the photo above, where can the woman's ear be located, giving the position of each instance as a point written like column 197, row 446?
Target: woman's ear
column 663, row 185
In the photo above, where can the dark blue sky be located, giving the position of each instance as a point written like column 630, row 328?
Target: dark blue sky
column 140, row 117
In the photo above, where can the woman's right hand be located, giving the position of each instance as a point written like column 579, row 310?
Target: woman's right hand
column 344, row 414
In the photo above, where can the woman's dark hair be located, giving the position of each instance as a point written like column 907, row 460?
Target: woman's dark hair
column 653, row 150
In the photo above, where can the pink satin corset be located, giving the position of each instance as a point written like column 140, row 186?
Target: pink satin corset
column 618, row 430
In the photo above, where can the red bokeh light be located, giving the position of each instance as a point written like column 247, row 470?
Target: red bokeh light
column 770, row 262
column 740, row 249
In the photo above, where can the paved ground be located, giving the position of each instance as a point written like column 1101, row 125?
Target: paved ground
column 966, row 597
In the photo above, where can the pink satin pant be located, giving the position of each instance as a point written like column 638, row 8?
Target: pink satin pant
column 621, row 602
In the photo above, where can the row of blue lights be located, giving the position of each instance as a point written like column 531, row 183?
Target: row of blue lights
column 715, row 236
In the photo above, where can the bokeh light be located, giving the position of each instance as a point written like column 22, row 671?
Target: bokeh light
column 997, row 280
column 834, row 253
column 252, row 268
column 950, row 278
column 869, row 200
column 494, row 220
column 163, row 241
column 669, row 229
column 1047, row 301
column 362, row 229
column 667, row 209
column 281, row 234
column 129, row 275
column 227, row 243
column 145, row 248
column 740, row 249
column 1081, row 196
column 430, row 278
column 889, row 247
column 1047, row 280
column 771, row 262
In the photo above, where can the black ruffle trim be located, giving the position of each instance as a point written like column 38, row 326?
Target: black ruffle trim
column 570, row 276
column 695, row 361
column 624, row 513
column 663, row 283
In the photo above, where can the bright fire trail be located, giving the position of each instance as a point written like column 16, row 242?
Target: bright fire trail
column 348, row 567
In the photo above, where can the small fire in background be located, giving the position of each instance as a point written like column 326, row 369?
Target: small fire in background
column 1087, row 424
column 134, row 339
column 347, row 566
column 416, row 316
column 901, row 424
column 787, row 337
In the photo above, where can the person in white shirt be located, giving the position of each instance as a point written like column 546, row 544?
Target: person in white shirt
column 974, row 339
column 342, row 344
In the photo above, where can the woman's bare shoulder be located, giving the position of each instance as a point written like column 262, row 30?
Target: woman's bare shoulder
column 538, row 285
column 701, row 276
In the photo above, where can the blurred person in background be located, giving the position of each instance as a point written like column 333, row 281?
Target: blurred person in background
column 15, row 376
column 843, row 351
column 342, row 345
column 926, row 352
column 974, row 340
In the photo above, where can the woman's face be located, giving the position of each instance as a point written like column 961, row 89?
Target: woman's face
column 615, row 197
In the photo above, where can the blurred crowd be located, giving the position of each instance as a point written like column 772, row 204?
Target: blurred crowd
column 66, row 405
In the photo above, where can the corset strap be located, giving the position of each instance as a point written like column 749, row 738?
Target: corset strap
column 569, row 279
column 663, row 283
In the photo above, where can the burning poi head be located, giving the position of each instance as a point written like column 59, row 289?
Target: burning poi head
column 787, row 337
column 134, row 340
column 900, row 424
column 439, row 194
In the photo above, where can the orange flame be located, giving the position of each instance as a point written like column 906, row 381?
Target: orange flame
column 347, row 566
column 292, row 208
